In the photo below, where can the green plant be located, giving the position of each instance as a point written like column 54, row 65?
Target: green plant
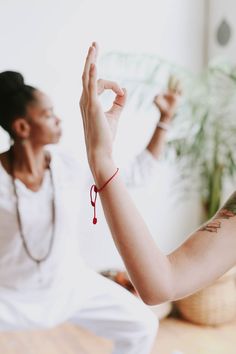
column 204, row 141
column 208, row 148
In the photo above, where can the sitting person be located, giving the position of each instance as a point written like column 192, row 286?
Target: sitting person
column 203, row 257
column 43, row 279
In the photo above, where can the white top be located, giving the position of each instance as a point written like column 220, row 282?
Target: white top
column 48, row 294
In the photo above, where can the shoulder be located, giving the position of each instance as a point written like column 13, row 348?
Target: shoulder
column 66, row 165
column 4, row 174
column 4, row 163
column 4, row 160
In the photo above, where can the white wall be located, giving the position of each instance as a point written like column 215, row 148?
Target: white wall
column 47, row 42
column 222, row 11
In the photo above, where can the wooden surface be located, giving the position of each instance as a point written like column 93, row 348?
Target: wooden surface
column 173, row 335
column 65, row 339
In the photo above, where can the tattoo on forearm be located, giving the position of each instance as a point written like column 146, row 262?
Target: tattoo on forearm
column 227, row 212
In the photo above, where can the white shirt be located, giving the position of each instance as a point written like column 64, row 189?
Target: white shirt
column 50, row 293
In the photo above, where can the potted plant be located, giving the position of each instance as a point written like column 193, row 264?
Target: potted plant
column 206, row 148
column 208, row 151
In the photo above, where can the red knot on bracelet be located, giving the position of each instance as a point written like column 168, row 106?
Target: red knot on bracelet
column 96, row 190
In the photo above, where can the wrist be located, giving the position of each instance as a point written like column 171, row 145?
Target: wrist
column 166, row 117
column 102, row 168
column 162, row 126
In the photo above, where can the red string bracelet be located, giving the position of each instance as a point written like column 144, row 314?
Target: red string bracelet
column 96, row 190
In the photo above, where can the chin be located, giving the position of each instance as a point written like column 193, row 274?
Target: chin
column 56, row 138
column 55, row 141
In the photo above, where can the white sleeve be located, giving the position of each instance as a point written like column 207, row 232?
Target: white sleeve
column 140, row 170
column 137, row 173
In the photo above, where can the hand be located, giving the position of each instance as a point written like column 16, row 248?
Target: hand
column 114, row 112
column 168, row 102
column 99, row 126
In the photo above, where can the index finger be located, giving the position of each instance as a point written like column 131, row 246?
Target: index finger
column 109, row 85
column 92, row 83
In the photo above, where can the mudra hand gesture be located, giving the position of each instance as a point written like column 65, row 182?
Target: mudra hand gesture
column 167, row 102
column 99, row 126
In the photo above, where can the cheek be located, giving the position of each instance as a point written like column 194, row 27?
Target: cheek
column 39, row 129
column 51, row 125
column 50, row 132
column 47, row 127
column 40, row 132
column 45, row 131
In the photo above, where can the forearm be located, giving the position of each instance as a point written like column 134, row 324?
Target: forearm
column 208, row 253
column 157, row 142
column 200, row 261
column 151, row 274
column 205, row 255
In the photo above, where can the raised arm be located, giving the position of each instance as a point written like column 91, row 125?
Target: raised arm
column 204, row 256
column 166, row 103
column 140, row 170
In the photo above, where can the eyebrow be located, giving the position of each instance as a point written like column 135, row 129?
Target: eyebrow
column 48, row 108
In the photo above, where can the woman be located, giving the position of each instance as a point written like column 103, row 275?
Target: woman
column 205, row 255
column 43, row 279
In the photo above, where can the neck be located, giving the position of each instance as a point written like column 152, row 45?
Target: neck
column 28, row 159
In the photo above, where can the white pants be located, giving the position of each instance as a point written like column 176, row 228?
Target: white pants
column 93, row 302
column 114, row 313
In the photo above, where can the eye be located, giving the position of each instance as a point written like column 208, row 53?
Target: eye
column 50, row 114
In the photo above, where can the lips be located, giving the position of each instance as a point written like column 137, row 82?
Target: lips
column 59, row 133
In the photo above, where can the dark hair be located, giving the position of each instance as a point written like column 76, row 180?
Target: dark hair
column 14, row 98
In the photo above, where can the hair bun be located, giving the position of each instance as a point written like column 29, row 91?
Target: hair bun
column 10, row 81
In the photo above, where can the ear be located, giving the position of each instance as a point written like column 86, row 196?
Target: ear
column 21, row 128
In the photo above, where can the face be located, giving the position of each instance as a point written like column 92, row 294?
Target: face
column 44, row 125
